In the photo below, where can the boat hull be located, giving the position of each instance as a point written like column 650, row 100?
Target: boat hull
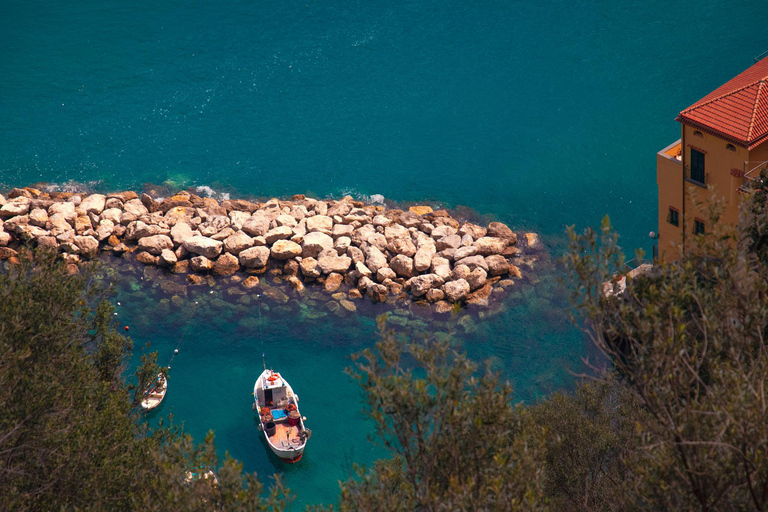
column 279, row 417
column 153, row 399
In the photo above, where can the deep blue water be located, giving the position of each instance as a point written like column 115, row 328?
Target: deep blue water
column 539, row 114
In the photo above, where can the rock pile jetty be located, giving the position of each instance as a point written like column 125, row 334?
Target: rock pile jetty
column 344, row 245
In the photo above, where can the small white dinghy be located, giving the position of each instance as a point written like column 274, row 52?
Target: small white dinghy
column 279, row 417
column 155, row 394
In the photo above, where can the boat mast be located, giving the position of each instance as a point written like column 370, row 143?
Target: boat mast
column 263, row 361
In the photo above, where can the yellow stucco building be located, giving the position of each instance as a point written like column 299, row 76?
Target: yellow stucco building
column 723, row 146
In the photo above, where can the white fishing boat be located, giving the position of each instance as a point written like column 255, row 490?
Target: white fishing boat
column 156, row 392
column 279, row 417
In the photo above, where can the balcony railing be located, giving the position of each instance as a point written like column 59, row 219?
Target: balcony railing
column 753, row 175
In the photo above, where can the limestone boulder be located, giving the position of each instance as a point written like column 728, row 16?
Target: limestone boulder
column 237, row 219
column 497, row 265
column 441, row 266
column 402, row 265
column 203, row 246
column 155, row 244
column 65, row 210
column 533, row 241
column 113, row 214
column 385, row 273
column 456, row 291
column 321, row 223
column 329, row 264
column 374, row 258
column 167, row 258
column 448, row 242
column 333, row 282
column 464, row 252
column 200, row 264
column 473, row 262
column 146, row 258
column 361, row 234
column 48, row 242
column 28, row 232
column 488, row 245
column 472, row 230
column 83, row 224
column 93, row 203
column 226, row 265
column 460, row 272
column 237, row 242
column 435, row 294
column 105, row 229
column 395, row 231
column 250, row 282
column 278, row 233
column 135, row 230
column 342, row 230
column 254, row 257
column 285, row 249
column 379, row 241
column 223, row 234
column 477, row 278
column 355, row 253
column 309, row 268
column 420, row 285
column 423, row 257
column 501, row 230
column 14, row 207
column 441, row 231
column 402, row 246
column 314, row 243
column 38, row 217
column 286, row 220
column 362, row 270
column 377, row 292
column 87, row 246
column 135, row 207
column 381, row 220
column 180, row 232
column 412, row 218
column 342, row 244
column 256, row 225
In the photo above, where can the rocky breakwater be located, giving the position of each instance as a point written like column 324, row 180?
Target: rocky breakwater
column 350, row 248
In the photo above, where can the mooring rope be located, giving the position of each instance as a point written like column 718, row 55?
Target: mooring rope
column 183, row 333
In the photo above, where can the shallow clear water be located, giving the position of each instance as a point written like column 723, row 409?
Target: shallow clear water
column 538, row 114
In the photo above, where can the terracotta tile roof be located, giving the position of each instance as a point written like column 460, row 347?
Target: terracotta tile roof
column 737, row 110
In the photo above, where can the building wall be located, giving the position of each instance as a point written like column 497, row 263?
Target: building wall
column 723, row 164
column 669, row 179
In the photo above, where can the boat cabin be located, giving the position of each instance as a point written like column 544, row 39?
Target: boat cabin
column 273, row 391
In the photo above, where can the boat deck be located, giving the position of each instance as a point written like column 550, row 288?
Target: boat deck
column 286, row 436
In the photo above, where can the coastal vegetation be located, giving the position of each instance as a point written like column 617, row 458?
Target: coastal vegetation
column 678, row 421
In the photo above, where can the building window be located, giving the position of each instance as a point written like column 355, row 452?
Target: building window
column 697, row 166
column 673, row 217
column 698, row 227
column 730, row 147
column 698, row 134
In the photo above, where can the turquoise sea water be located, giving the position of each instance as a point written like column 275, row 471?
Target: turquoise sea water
column 539, row 114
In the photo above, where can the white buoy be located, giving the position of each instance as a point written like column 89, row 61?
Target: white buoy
column 303, row 418
column 118, row 303
column 176, row 351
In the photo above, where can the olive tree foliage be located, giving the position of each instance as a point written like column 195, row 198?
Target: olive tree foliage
column 459, row 442
column 594, row 448
column 688, row 344
column 70, row 434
